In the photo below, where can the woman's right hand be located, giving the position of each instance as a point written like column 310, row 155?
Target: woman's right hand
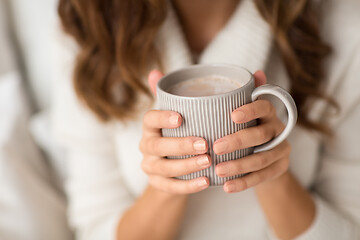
column 155, row 148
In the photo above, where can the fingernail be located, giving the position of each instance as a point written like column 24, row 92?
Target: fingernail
column 200, row 145
column 202, row 183
column 238, row 116
column 174, row 119
column 229, row 187
column 220, row 147
column 203, row 161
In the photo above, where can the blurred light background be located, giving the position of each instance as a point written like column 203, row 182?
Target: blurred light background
column 28, row 65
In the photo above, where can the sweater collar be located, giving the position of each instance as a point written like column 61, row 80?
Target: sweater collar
column 245, row 40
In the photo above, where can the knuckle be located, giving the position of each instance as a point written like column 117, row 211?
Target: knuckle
column 251, row 112
column 238, row 167
column 237, row 139
column 272, row 155
column 171, row 168
column 180, row 144
column 181, row 167
column 269, row 132
column 262, row 161
column 160, row 183
column 161, row 168
column 150, row 144
column 186, row 143
column 262, row 132
column 153, row 145
column 147, row 116
column 142, row 145
column 243, row 184
column 145, row 166
column 190, row 165
column 269, row 108
column 285, row 165
column 260, row 177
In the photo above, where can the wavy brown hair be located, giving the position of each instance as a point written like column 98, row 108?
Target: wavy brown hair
column 117, row 47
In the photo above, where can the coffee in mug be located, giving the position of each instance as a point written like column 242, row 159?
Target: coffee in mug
column 204, row 86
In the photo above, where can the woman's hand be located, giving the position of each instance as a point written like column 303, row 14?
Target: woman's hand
column 156, row 148
column 262, row 166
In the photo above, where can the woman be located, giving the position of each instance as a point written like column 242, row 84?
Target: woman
column 120, row 41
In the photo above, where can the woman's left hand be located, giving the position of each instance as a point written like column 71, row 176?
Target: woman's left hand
column 262, row 166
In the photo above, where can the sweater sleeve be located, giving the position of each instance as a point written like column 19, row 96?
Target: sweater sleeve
column 336, row 190
column 97, row 194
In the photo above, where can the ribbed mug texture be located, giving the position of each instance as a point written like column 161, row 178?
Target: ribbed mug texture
column 208, row 117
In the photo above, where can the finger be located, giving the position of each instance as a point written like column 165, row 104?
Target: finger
column 255, row 178
column 254, row 162
column 154, row 120
column 262, row 109
column 154, row 77
column 173, row 146
column 176, row 186
column 248, row 137
column 175, row 167
column 260, row 78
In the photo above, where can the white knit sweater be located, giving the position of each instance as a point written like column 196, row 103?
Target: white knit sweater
column 103, row 160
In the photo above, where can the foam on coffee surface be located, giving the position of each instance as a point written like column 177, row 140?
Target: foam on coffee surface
column 204, row 86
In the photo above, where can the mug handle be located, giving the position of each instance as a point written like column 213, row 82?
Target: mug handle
column 290, row 105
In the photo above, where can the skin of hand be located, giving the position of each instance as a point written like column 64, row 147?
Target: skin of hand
column 156, row 148
column 261, row 167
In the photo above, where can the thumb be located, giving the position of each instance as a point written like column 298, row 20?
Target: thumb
column 153, row 78
column 260, row 78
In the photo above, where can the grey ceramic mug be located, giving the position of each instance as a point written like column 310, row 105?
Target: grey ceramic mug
column 210, row 116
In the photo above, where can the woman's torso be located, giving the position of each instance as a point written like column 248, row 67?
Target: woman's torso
column 232, row 215
column 236, row 215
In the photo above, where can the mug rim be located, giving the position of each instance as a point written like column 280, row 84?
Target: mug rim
column 195, row 66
